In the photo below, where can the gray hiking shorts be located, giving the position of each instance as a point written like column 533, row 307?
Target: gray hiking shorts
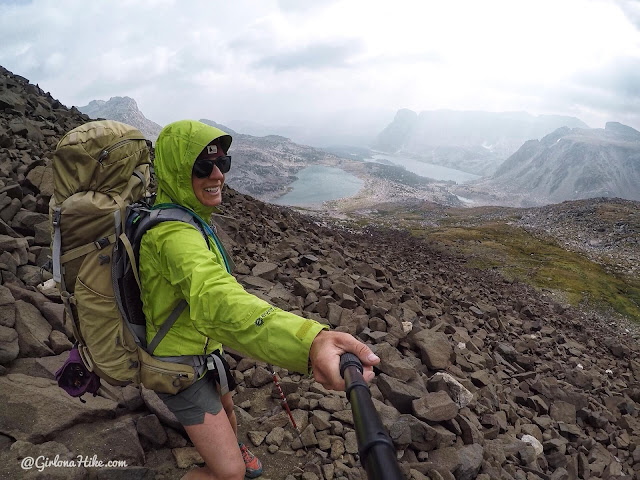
column 190, row 405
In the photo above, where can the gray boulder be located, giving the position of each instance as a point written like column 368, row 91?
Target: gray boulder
column 400, row 394
column 435, row 407
column 33, row 331
column 435, row 349
column 9, row 345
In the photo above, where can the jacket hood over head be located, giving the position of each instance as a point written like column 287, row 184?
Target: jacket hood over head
column 177, row 148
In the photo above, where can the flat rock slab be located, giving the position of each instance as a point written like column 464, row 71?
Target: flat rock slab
column 35, row 409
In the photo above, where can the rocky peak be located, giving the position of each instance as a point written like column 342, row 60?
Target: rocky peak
column 396, row 134
column 95, row 105
column 619, row 128
column 405, row 115
column 122, row 109
column 554, row 136
column 573, row 164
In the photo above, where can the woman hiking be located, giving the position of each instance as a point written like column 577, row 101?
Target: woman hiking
column 176, row 263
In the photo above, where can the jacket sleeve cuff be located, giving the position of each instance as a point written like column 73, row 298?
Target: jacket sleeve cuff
column 307, row 333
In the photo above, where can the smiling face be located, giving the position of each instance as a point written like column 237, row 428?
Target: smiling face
column 208, row 190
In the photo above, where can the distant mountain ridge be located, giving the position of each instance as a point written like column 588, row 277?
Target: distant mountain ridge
column 220, row 126
column 573, row 164
column 473, row 141
column 123, row 109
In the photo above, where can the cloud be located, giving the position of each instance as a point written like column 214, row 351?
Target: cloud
column 283, row 61
column 631, row 9
column 313, row 57
column 298, row 7
column 617, row 83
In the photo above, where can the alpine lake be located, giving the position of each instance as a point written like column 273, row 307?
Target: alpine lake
column 319, row 183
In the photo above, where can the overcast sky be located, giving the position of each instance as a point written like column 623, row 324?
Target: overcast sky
column 283, row 62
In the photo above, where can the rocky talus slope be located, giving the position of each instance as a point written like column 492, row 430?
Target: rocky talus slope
column 607, row 230
column 479, row 378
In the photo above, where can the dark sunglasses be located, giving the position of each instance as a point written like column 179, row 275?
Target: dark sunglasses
column 203, row 167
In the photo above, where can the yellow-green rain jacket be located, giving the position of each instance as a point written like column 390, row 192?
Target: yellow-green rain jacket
column 176, row 264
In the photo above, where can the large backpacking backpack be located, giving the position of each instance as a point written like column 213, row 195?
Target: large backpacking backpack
column 101, row 171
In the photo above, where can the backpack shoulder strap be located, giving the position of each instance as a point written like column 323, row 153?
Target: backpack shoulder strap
column 206, row 229
column 140, row 219
column 152, row 217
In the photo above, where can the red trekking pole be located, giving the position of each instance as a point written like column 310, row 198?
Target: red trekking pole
column 286, row 405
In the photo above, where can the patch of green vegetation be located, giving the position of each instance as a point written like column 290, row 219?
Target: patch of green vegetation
column 544, row 264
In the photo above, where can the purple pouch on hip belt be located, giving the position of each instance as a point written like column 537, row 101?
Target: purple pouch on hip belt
column 74, row 378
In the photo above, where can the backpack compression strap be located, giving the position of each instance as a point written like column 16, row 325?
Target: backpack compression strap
column 59, row 259
column 57, row 248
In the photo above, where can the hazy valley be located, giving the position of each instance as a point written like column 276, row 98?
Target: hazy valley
column 509, row 159
column 477, row 142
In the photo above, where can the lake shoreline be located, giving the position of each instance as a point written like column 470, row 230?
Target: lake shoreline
column 307, row 190
column 376, row 189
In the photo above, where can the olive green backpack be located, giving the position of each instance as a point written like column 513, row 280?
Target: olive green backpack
column 101, row 172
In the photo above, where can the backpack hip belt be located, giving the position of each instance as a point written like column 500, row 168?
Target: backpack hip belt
column 202, row 364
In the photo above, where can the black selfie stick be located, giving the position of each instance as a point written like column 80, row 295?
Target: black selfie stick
column 377, row 452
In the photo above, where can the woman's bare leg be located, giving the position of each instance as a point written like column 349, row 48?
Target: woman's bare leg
column 253, row 465
column 227, row 404
column 216, row 441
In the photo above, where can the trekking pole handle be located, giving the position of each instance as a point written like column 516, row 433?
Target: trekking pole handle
column 349, row 360
column 375, row 447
